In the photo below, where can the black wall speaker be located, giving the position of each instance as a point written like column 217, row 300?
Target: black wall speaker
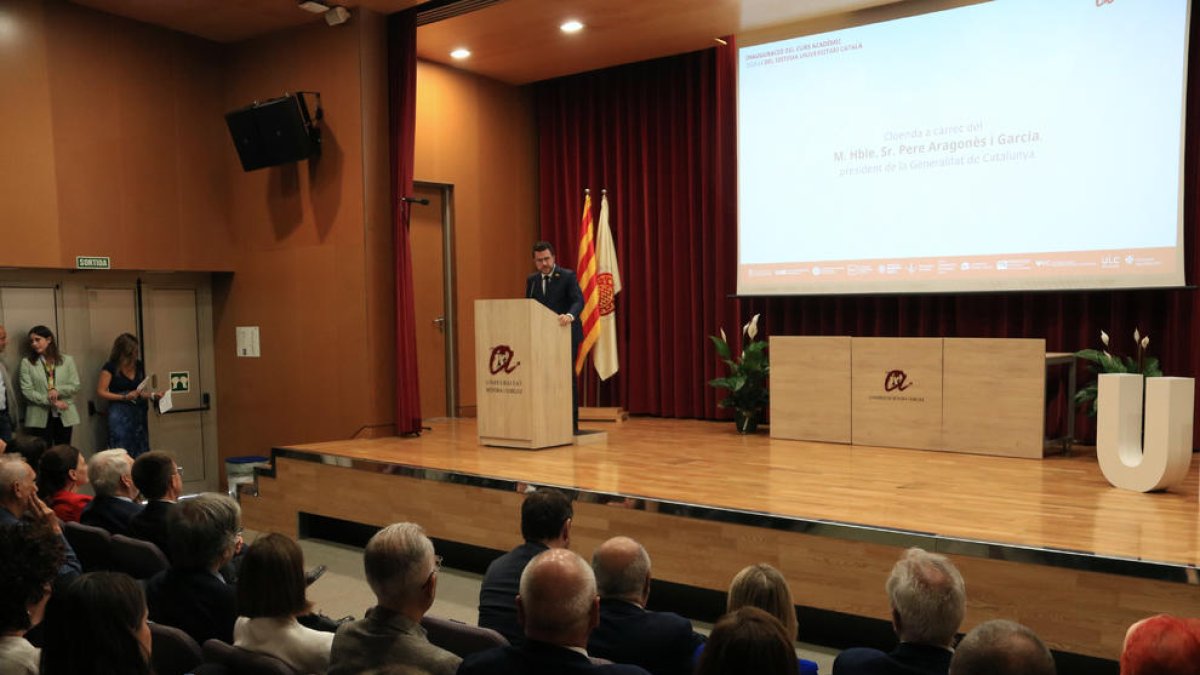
column 274, row 132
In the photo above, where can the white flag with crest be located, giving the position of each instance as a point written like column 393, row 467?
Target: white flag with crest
column 608, row 282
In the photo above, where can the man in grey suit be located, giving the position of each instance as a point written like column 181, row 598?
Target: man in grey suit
column 8, row 398
column 402, row 570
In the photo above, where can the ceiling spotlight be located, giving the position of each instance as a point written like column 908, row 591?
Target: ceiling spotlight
column 314, row 6
column 460, row 53
column 571, row 26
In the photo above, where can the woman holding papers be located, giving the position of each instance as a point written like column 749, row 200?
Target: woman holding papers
column 49, row 383
column 123, row 384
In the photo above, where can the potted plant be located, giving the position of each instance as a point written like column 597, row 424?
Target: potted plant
column 1104, row 362
column 747, row 378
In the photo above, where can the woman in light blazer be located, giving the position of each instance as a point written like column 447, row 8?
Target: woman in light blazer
column 49, row 383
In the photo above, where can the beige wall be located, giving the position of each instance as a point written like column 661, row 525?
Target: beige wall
column 479, row 135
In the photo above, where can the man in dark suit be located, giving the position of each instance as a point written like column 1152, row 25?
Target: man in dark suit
column 558, row 608
column 929, row 600
column 193, row 596
column 661, row 642
column 558, row 289
column 110, row 473
column 545, row 524
column 158, row 478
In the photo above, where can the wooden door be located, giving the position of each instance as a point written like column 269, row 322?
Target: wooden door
column 427, row 237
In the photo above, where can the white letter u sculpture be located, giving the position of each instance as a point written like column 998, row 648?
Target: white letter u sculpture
column 1164, row 458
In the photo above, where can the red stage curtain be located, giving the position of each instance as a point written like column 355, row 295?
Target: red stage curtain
column 402, row 97
column 661, row 136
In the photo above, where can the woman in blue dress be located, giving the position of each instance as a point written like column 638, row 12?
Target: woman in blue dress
column 127, row 405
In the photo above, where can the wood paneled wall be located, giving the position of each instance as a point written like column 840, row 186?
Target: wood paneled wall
column 479, row 135
column 114, row 143
column 313, row 249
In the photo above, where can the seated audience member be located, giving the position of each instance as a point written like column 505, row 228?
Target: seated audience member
column 661, row 642
column 748, row 640
column 30, row 447
column 929, row 600
column 19, row 505
column 402, row 571
column 193, row 596
column 97, row 626
column 1001, row 647
column 1162, row 645
column 157, row 477
column 29, row 560
column 558, row 608
column 111, row 473
column 61, row 472
column 545, row 524
column 270, row 595
column 762, row 586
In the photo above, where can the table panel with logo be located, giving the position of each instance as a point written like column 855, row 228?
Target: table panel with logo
column 983, row 396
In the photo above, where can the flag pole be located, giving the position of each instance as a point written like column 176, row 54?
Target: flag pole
column 607, row 285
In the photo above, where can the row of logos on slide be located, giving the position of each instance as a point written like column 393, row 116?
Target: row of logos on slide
column 1087, row 262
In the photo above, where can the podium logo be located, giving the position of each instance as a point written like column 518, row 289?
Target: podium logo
column 502, row 360
column 896, row 380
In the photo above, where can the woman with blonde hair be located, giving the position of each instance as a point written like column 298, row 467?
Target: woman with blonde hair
column 119, row 383
column 764, row 587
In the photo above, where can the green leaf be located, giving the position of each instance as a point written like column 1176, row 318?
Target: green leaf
column 1093, row 355
column 1151, row 367
column 721, row 345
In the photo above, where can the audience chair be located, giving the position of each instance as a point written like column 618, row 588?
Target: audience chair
column 240, row 661
column 460, row 638
column 91, row 544
column 139, row 559
column 173, row 652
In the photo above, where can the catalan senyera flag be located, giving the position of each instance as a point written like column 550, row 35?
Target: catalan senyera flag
column 609, row 283
column 586, row 271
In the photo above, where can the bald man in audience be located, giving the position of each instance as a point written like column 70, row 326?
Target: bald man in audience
column 557, row 608
column 402, row 571
column 545, row 524
column 1001, row 647
column 929, row 600
column 111, row 475
column 661, row 642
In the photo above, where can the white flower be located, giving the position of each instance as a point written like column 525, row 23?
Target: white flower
column 751, row 328
column 1104, row 338
column 1145, row 342
column 723, row 338
column 1136, row 338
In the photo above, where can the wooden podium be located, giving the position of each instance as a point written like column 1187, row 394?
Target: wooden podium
column 523, row 375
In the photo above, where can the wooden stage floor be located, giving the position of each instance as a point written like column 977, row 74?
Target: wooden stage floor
column 1046, row 542
column 1060, row 504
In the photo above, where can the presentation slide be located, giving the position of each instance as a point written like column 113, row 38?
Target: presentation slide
column 1008, row 145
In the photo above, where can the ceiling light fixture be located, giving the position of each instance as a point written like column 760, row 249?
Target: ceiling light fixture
column 571, row 26
column 314, row 6
column 460, row 53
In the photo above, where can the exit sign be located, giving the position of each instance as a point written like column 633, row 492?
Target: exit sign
column 92, row 262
